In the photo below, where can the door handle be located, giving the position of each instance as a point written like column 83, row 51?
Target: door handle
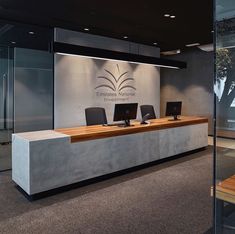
column 4, row 84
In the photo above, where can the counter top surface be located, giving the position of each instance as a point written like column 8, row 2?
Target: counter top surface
column 84, row 133
column 225, row 190
column 40, row 135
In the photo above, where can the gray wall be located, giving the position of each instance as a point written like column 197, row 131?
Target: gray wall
column 78, row 85
column 77, row 78
column 193, row 86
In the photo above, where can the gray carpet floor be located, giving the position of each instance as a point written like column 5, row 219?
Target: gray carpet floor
column 5, row 157
column 5, row 150
column 173, row 197
column 225, row 163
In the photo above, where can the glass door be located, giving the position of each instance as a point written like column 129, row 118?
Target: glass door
column 6, row 106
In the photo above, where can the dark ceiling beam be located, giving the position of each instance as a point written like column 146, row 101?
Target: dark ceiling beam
column 65, row 48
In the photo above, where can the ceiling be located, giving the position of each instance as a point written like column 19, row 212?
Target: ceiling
column 142, row 21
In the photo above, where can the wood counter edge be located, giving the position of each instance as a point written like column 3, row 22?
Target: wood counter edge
column 98, row 132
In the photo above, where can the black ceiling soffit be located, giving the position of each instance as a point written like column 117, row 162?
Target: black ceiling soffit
column 65, row 48
column 141, row 21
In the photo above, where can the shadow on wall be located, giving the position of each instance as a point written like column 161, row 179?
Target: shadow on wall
column 193, row 85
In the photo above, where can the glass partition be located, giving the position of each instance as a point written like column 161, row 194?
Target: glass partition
column 224, row 88
column 33, row 96
column 26, row 83
column 6, row 105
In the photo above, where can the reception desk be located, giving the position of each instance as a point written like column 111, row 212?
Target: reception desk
column 45, row 160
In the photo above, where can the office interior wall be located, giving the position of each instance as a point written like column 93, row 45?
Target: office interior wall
column 86, row 82
column 33, row 90
column 77, row 78
column 193, row 86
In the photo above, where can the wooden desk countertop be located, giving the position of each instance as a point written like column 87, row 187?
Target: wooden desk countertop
column 225, row 190
column 84, row 133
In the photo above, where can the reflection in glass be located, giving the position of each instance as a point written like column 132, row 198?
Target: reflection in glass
column 33, row 95
column 224, row 88
column 6, row 106
column 26, row 82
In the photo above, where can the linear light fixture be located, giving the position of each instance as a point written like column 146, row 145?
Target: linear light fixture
column 193, row 44
column 171, row 52
column 118, row 60
column 207, row 47
column 68, row 49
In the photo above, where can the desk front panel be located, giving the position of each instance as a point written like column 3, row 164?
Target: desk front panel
column 46, row 160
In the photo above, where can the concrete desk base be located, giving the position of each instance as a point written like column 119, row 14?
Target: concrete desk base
column 45, row 160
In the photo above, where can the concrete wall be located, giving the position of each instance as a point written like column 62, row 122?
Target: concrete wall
column 193, row 86
column 82, row 82
column 86, row 82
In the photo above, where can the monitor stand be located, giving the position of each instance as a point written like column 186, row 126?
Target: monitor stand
column 125, row 124
column 174, row 119
column 145, row 118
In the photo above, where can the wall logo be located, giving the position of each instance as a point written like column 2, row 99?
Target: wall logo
column 115, row 86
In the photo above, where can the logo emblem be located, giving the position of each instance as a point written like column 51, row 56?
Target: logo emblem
column 116, row 83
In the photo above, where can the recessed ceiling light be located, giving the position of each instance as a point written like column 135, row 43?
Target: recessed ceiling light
column 172, row 16
column 31, row 32
column 86, row 29
column 193, row 44
column 125, row 37
column 167, row 15
column 155, row 43
column 13, row 42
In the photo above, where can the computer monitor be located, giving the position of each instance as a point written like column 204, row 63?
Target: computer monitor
column 125, row 112
column 173, row 109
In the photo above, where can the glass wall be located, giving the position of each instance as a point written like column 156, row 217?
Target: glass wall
column 26, row 83
column 6, row 105
column 224, row 87
column 33, row 96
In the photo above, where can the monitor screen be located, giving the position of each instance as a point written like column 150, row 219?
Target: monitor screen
column 125, row 111
column 173, row 108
